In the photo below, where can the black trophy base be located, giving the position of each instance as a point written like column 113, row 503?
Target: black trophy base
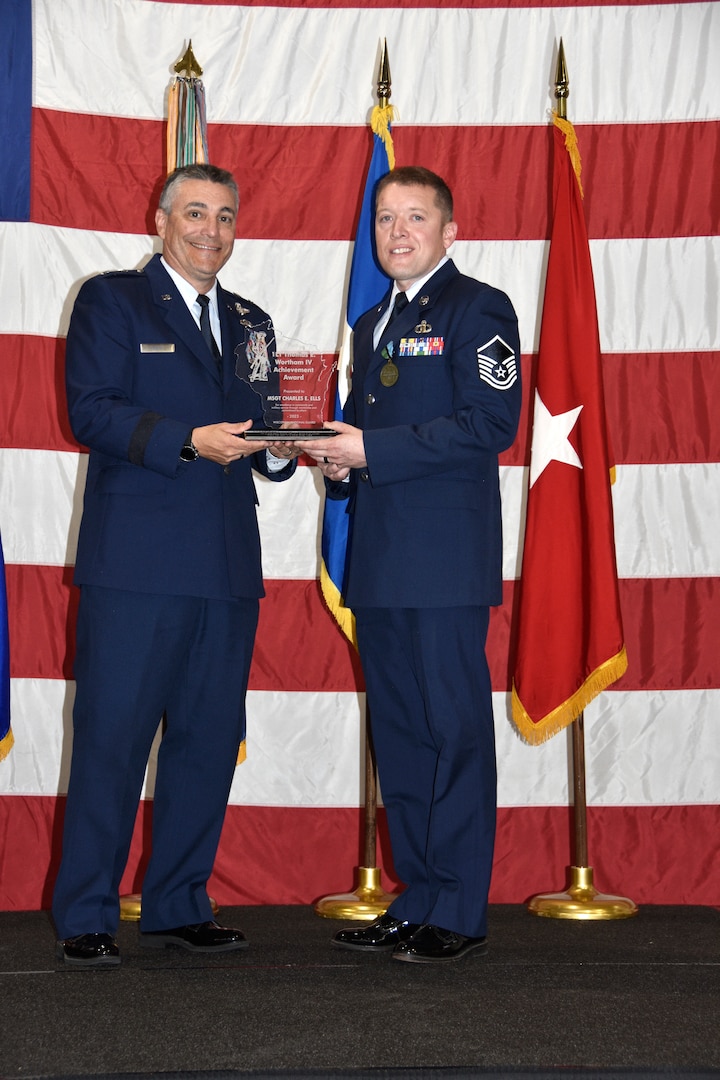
column 286, row 434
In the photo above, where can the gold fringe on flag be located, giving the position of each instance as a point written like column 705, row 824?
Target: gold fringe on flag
column 571, row 145
column 380, row 120
column 603, row 676
column 6, row 745
column 336, row 606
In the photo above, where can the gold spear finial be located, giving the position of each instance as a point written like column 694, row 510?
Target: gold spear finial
column 189, row 64
column 384, row 83
column 562, row 83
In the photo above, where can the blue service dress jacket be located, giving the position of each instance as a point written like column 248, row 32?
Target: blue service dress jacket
column 426, row 524
column 139, row 378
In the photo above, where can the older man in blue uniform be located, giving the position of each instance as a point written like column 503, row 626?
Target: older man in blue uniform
column 435, row 398
column 169, row 567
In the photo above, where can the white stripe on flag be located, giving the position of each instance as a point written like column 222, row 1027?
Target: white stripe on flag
column 286, row 276
column 41, row 501
column 304, row 749
column 282, row 65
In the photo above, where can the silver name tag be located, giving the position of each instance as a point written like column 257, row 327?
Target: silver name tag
column 162, row 346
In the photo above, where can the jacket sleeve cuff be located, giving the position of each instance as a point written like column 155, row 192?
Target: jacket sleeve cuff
column 156, row 443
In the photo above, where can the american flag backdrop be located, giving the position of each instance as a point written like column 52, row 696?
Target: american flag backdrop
column 289, row 90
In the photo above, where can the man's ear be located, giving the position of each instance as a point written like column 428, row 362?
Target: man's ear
column 160, row 220
column 449, row 234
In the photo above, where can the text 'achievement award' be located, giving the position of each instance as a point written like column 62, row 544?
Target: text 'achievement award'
column 294, row 382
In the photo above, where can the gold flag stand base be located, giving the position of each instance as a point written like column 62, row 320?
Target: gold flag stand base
column 131, row 905
column 367, row 902
column 581, row 901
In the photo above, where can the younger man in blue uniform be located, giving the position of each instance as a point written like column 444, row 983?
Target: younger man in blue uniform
column 435, row 398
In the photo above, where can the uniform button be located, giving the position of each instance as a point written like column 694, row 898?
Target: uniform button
column 364, row 475
column 226, row 470
column 370, row 399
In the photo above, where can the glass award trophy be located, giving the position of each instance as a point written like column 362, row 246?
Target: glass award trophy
column 294, row 381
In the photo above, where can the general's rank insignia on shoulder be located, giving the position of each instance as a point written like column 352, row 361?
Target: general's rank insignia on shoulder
column 497, row 364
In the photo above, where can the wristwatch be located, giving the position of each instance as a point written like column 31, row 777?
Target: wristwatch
column 189, row 451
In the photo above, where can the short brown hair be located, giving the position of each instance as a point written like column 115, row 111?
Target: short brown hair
column 409, row 175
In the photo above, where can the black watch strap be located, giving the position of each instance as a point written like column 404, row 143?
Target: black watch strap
column 189, row 451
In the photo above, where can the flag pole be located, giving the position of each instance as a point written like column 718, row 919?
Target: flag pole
column 369, row 898
column 581, row 900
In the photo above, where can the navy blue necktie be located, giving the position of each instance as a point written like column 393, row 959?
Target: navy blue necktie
column 206, row 331
column 401, row 302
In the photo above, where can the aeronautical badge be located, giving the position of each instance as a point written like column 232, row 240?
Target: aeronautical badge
column 497, row 364
column 242, row 310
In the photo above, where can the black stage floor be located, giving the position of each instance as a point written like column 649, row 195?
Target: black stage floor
column 633, row 997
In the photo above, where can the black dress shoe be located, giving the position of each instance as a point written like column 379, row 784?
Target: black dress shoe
column 432, row 945
column 384, row 933
column 200, row 937
column 89, row 950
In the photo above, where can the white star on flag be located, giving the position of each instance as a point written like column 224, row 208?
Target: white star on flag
column 550, row 439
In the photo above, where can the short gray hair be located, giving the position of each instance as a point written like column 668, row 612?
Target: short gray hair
column 198, row 171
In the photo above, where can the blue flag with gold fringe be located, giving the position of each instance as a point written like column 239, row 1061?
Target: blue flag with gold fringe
column 368, row 284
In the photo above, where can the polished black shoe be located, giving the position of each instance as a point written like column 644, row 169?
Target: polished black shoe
column 384, row 933
column 200, row 937
column 432, row 945
column 89, row 950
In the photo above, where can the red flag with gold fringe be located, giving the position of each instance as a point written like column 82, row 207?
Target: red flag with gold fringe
column 570, row 642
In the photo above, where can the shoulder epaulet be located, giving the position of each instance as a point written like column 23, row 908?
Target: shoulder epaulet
column 122, row 273
column 235, row 300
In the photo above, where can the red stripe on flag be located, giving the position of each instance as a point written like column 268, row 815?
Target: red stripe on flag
column 680, row 396
column 665, row 659
column 42, row 607
column 33, row 407
column 296, row 855
column 498, row 175
column 294, row 612
column 680, row 393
